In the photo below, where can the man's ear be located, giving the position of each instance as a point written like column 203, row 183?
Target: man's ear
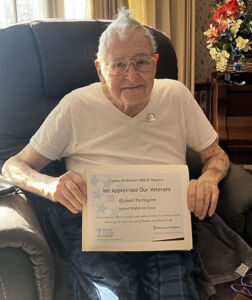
column 156, row 62
column 99, row 71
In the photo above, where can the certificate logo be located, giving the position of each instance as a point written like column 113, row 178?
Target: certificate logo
column 104, row 233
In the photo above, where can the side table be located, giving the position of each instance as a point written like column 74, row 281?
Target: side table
column 232, row 119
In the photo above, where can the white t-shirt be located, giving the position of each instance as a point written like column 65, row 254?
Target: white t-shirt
column 86, row 128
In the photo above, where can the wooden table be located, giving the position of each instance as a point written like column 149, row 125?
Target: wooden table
column 232, row 119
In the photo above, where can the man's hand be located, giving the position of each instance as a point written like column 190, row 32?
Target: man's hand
column 23, row 171
column 69, row 190
column 202, row 198
column 203, row 193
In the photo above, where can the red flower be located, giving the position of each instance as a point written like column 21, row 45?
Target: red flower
column 222, row 27
column 231, row 7
column 219, row 14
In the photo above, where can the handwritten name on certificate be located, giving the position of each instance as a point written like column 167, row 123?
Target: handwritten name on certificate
column 136, row 208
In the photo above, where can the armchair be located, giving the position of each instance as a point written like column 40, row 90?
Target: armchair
column 39, row 63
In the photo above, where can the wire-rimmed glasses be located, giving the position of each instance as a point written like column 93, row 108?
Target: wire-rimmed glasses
column 141, row 64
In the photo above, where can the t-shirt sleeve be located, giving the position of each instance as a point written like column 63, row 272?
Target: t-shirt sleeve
column 54, row 137
column 200, row 132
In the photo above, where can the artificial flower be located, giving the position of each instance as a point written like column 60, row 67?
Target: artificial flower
column 224, row 54
column 235, row 27
column 229, row 36
column 231, row 7
column 212, row 33
column 213, row 52
column 243, row 44
column 219, row 14
column 221, row 65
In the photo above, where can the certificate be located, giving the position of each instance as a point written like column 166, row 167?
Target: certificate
column 136, row 208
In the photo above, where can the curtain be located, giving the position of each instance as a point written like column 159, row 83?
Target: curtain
column 182, row 34
column 54, row 8
column 176, row 19
column 106, row 9
column 153, row 13
column 84, row 9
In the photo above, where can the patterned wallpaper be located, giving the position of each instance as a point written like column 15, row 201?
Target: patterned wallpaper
column 203, row 65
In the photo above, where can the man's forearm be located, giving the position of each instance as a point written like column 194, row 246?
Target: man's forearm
column 69, row 189
column 23, row 176
column 215, row 164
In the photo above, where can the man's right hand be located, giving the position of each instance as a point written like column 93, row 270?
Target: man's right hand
column 23, row 170
column 69, row 190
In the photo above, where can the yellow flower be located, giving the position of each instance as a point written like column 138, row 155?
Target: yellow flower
column 250, row 25
column 234, row 29
column 223, row 55
column 243, row 44
column 213, row 52
column 221, row 65
column 242, row 6
column 221, row 59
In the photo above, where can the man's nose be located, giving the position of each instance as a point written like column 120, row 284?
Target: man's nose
column 131, row 72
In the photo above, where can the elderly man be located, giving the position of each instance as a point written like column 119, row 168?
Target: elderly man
column 106, row 123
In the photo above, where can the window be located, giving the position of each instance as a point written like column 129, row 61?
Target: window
column 80, row 10
column 13, row 11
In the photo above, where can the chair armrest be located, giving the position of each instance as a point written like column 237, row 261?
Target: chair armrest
column 235, row 201
column 19, row 228
column 16, row 275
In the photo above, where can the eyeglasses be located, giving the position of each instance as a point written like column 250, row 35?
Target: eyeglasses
column 141, row 64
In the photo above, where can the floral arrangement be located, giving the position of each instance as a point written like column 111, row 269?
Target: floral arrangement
column 229, row 36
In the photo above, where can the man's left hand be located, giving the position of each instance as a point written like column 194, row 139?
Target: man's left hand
column 202, row 197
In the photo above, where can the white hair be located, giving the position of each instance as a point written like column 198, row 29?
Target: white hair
column 124, row 25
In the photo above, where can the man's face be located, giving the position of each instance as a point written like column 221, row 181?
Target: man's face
column 132, row 87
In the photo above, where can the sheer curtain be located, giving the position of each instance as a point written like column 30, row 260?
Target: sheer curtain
column 177, row 20
column 84, row 9
column 14, row 11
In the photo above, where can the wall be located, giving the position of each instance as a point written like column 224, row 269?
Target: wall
column 203, row 65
